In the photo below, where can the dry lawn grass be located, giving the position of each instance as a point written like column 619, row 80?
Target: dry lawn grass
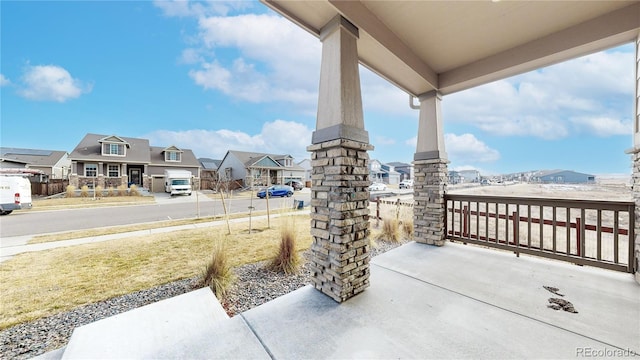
column 128, row 228
column 43, row 283
column 85, row 202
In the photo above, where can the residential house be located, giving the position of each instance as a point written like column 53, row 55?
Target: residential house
column 258, row 169
column 111, row 161
column 306, row 165
column 562, row 176
column 50, row 164
column 384, row 173
column 455, row 178
column 405, row 170
column 469, row 176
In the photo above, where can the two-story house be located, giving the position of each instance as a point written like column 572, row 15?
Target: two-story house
column 111, row 161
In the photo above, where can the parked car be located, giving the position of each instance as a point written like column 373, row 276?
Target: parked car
column 276, row 190
column 406, row 184
column 296, row 185
column 377, row 187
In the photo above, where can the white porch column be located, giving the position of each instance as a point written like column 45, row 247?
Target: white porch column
column 430, row 181
column 340, row 174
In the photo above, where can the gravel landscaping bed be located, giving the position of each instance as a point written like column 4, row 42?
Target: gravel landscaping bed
column 253, row 286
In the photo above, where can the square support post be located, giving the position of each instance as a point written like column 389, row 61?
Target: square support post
column 429, row 188
column 340, row 217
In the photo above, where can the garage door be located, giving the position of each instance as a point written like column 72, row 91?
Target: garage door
column 157, row 184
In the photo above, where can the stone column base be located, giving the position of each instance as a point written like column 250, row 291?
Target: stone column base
column 429, row 207
column 74, row 180
column 340, row 217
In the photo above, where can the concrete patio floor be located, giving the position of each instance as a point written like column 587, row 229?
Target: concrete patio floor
column 454, row 301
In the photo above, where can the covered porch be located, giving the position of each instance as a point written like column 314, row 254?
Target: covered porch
column 427, row 49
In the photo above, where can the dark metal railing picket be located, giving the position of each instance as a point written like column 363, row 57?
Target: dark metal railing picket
column 505, row 222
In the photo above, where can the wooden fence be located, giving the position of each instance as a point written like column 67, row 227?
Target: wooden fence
column 54, row 186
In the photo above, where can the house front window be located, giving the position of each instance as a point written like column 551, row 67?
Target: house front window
column 90, row 170
column 113, row 149
column 172, row 156
column 113, row 170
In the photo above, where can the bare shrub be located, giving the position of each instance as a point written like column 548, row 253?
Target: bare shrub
column 133, row 191
column 122, row 190
column 84, row 191
column 98, row 191
column 217, row 274
column 407, row 228
column 406, row 220
column 287, row 259
column 390, row 231
column 71, row 191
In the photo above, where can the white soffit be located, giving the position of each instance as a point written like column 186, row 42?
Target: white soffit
column 454, row 45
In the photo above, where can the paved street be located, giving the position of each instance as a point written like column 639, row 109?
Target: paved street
column 29, row 222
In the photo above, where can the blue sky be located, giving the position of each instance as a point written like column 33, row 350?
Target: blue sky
column 218, row 76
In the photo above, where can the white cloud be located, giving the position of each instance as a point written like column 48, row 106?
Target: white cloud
column 603, row 126
column 212, row 76
column 275, row 137
column 468, row 148
column 379, row 95
column 276, row 62
column 184, row 8
column 51, row 82
column 546, row 103
column 464, row 148
column 191, row 56
column 4, row 81
column 383, row 140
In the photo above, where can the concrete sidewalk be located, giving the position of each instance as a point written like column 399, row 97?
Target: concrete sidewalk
column 454, row 301
column 12, row 246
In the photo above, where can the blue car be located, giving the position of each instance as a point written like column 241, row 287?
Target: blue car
column 276, row 190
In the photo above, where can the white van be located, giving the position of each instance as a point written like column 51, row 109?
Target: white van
column 15, row 193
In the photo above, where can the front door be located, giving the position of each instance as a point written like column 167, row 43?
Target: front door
column 134, row 177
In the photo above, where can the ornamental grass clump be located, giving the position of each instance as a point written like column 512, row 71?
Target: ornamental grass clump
column 133, row 191
column 98, row 191
column 287, row 259
column 84, row 191
column 71, row 191
column 407, row 228
column 111, row 191
column 390, row 231
column 217, row 274
column 122, row 190
column 406, row 220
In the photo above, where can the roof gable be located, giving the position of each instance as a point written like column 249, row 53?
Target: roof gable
column 249, row 159
column 90, row 149
column 172, row 148
column 265, row 162
column 114, row 139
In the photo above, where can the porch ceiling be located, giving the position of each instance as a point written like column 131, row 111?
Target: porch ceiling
column 451, row 46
